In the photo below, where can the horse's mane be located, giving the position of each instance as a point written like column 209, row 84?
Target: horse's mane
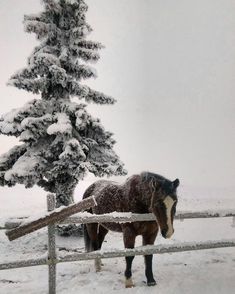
column 151, row 177
column 154, row 180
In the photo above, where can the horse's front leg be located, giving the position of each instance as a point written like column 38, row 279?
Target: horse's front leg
column 129, row 242
column 148, row 239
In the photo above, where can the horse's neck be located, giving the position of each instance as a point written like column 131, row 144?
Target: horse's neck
column 138, row 195
column 146, row 194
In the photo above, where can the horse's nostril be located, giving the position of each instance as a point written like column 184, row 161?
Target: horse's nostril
column 164, row 231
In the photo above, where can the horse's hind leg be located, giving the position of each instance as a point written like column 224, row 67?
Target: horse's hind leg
column 94, row 235
column 91, row 237
column 101, row 235
column 149, row 239
column 129, row 242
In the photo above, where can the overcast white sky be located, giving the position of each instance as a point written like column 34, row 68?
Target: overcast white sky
column 171, row 66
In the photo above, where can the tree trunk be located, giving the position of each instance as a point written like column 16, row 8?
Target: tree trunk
column 64, row 196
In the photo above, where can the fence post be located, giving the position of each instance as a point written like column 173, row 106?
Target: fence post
column 51, row 248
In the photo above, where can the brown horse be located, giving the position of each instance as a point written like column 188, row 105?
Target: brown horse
column 144, row 193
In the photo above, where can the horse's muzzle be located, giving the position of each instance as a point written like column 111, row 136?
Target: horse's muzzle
column 166, row 233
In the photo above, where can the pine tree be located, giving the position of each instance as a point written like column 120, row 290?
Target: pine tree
column 61, row 141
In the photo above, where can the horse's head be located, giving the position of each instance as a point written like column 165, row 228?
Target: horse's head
column 163, row 205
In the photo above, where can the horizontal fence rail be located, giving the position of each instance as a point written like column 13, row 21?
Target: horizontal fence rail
column 134, row 217
column 142, row 250
column 85, row 218
column 149, row 249
column 24, row 263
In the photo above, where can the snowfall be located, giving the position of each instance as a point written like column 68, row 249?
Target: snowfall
column 207, row 271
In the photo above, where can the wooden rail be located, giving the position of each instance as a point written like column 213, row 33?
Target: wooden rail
column 51, row 218
column 85, row 218
column 142, row 250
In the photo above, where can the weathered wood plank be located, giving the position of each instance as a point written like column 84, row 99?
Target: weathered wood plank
column 149, row 249
column 86, row 218
column 132, row 217
column 51, row 218
column 24, row 263
column 142, row 250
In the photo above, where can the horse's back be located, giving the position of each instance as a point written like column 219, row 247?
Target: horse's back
column 93, row 188
column 108, row 195
column 109, row 198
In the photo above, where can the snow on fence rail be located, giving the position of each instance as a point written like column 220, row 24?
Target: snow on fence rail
column 52, row 259
column 141, row 250
column 122, row 217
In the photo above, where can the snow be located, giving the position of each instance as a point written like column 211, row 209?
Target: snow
column 26, row 135
column 7, row 128
column 63, row 125
column 7, row 125
column 205, row 271
column 24, row 166
column 43, row 58
column 118, row 214
column 33, row 120
column 72, row 148
column 10, row 116
column 79, row 32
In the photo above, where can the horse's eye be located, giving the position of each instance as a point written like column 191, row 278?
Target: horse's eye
column 159, row 204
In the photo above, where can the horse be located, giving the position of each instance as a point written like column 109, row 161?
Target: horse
column 142, row 193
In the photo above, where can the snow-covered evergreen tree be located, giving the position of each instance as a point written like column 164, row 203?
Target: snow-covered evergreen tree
column 61, row 141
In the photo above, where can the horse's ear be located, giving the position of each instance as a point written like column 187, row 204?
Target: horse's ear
column 176, row 183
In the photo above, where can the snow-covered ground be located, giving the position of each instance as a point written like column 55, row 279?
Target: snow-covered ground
column 206, row 271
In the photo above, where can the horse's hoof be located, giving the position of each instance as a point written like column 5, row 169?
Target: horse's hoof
column 152, row 283
column 129, row 283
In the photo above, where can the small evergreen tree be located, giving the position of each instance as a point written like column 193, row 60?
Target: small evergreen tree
column 61, row 141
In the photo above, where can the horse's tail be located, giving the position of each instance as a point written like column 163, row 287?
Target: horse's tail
column 87, row 239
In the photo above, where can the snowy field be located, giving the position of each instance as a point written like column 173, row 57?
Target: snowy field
column 206, row 271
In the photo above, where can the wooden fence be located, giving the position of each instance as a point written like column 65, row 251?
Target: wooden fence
column 52, row 259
